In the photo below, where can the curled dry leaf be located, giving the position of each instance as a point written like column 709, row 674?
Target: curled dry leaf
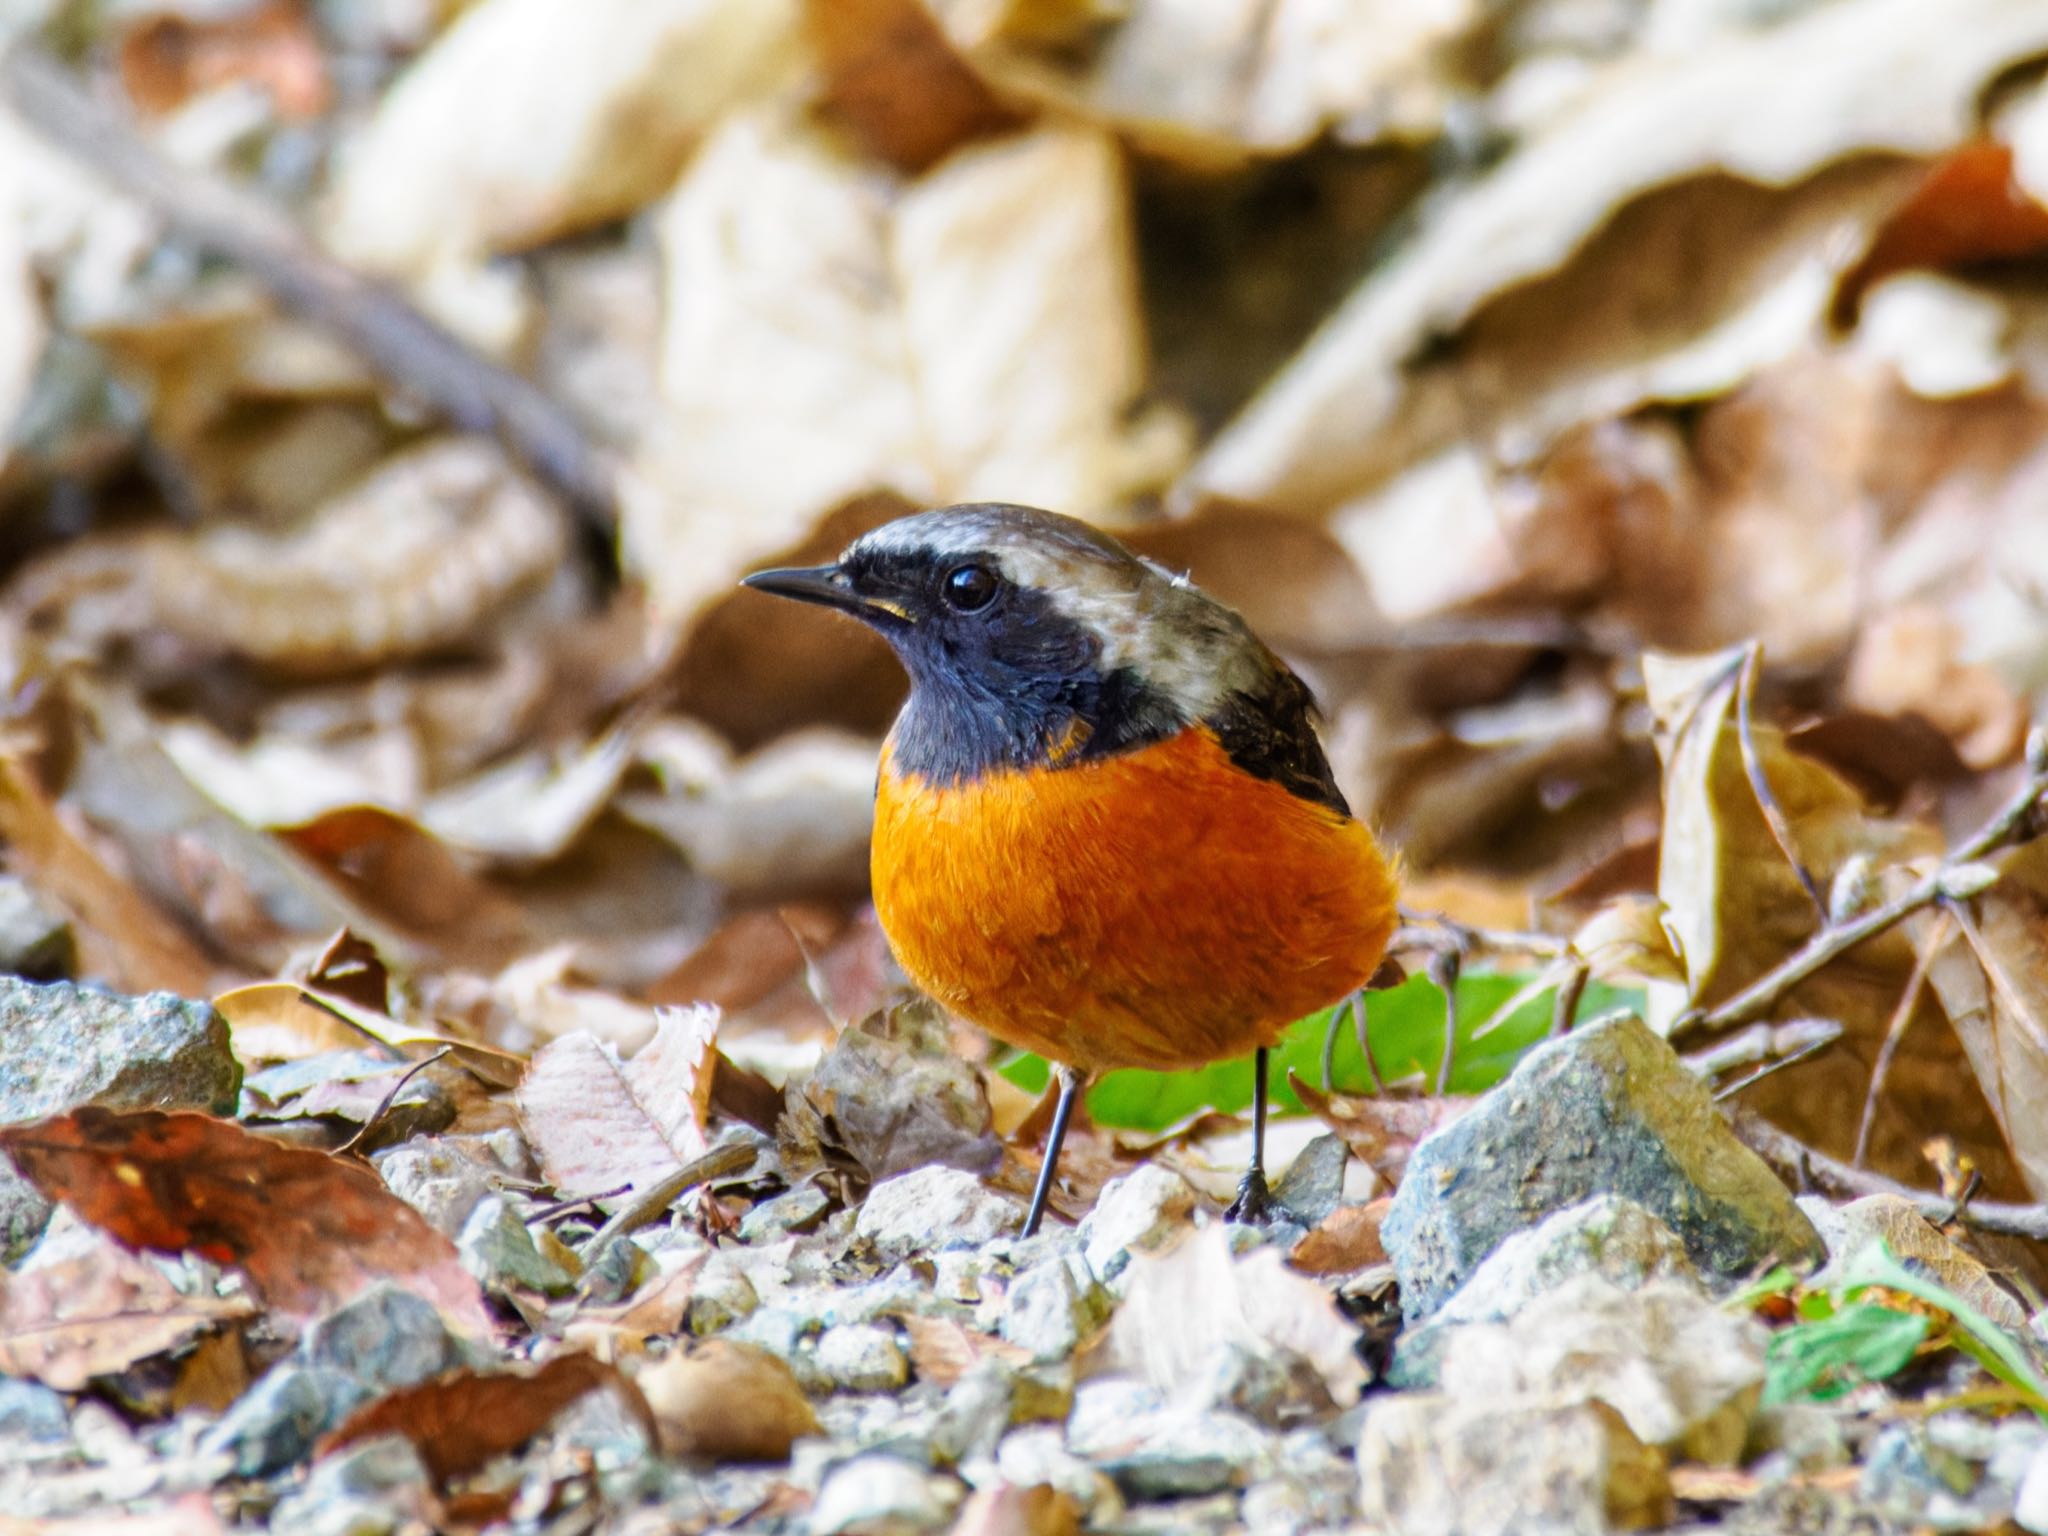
column 97, row 1314
column 528, row 120
column 1910, row 661
column 868, row 355
column 1212, row 82
column 597, row 1122
column 1771, row 107
column 1196, row 1297
column 461, row 1422
column 308, row 1230
column 1991, row 974
column 727, row 1402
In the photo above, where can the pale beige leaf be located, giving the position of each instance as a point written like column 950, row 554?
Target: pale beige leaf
column 971, row 334
column 1211, row 81
column 529, row 119
column 1772, row 107
column 1184, row 1304
column 598, row 1123
column 98, row 1314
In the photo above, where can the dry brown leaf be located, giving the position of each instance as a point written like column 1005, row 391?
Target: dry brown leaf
column 1007, row 1510
column 1212, row 82
column 1771, row 107
column 1346, row 1241
column 657, row 1310
column 122, row 935
column 1381, row 1132
column 1991, row 974
column 308, row 1230
column 891, row 78
column 1912, row 1238
column 97, row 1314
column 1195, row 1297
column 597, row 1122
column 942, row 1351
column 1908, row 662
column 528, row 120
column 868, row 355
column 461, row 1422
column 727, row 1402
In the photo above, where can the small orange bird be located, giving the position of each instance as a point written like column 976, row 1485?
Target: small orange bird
column 1105, row 830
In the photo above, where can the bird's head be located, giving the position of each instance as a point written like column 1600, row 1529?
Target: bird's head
column 1032, row 638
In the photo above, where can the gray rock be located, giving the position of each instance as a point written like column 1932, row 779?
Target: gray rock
column 934, row 1207
column 444, row 1178
column 1608, row 1236
column 276, row 1422
column 882, row 1495
column 1274, row 1387
column 24, row 1213
column 1313, row 1185
column 62, row 1046
column 1053, row 1306
column 1430, row 1464
column 722, row 1297
column 975, row 1414
column 31, row 1411
column 35, row 941
column 1152, row 1450
column 385, row 1338
column 1608, row 1109
column 796, row 1211
column 1686, row 1374
column 498, row 1249
column 862, row 1357
column 372, row 1489
column 1139, row 1211
column 1951, row 1472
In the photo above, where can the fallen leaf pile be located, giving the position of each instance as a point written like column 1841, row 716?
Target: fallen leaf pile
column 1632, row 419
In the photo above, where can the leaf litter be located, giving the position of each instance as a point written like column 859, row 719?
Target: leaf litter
column 1654, row 520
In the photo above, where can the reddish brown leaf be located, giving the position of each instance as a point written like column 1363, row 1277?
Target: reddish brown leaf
column 167, row 59
column 464, row 1420
column 1969, row 209
column 727, row 1402
column 307, row 1229
column 1347, row 1241
column 942, row 1351
column 894, row 80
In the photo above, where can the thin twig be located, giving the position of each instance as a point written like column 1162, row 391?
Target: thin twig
column 1764, row 1043
column 718, row 1163
column 2017, row 821
column 1545, row 980
column 1759, row 781
column 348, row 1148
column 1564, row 1008
column 1808, row 1168
column 1443, row 970
column 1789, row 1059
column 379, row 326
column 1433, row 932
column 1894, row 1033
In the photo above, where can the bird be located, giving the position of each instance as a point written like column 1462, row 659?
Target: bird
column 1105, row 828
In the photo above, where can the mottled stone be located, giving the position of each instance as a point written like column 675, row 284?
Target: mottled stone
column 35, row 940
column 872, row 1494
column 276, row 1422
column 1053, row 1306
column 62, row 1046
column 385, row 1338
column 931, row 1208
column 1608, row 1109
column 862, row 1357
column 498, row 1249
column 1139, row 1211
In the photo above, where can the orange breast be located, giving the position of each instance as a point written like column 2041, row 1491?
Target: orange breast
column 1160, row 909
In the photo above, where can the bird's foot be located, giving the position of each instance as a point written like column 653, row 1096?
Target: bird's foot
column 1254, row 1203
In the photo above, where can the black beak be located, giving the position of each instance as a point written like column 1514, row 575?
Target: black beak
column 826, row 585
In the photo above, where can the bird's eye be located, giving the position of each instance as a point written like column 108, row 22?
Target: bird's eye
column 970, row 588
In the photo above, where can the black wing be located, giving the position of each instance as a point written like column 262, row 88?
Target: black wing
column 1271, row 734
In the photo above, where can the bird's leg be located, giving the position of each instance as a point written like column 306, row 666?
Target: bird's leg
column 1254, row 1200
column 1070, row 1090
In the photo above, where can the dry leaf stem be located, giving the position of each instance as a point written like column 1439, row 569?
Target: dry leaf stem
column 379, row 326
column 2018, row 821
column 1808, row 1169
column 718, row 1163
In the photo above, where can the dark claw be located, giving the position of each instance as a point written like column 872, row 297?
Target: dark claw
column 1254, row 1202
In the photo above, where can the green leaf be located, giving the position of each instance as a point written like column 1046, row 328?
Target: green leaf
column 1981, row 1339
column 1824, row 1359
column 1405, row 1024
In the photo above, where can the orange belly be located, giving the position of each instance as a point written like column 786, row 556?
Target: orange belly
column 1159, row 909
